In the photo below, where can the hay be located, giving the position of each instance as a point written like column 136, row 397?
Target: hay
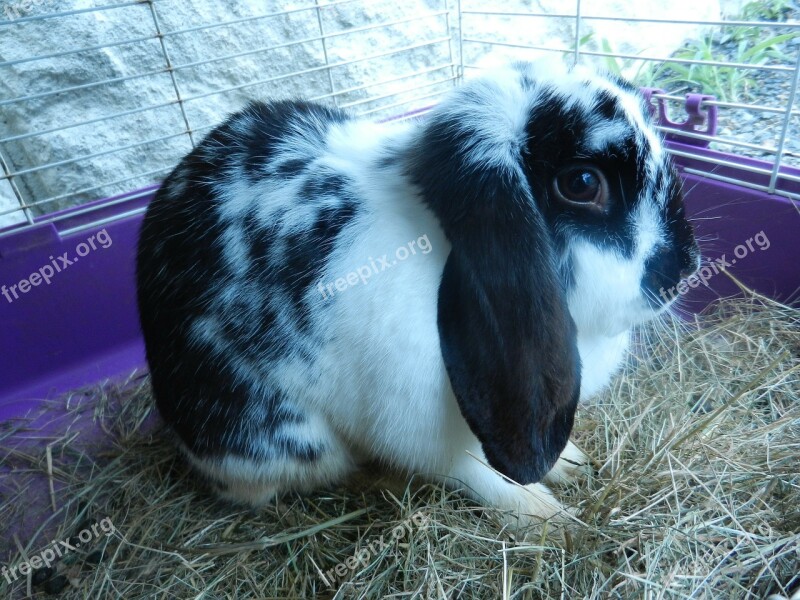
column 695, row 495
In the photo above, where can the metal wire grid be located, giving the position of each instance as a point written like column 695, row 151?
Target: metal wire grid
column 777, row 153
column 453, row 33
column 407, row 89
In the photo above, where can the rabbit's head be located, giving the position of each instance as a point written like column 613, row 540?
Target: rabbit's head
column 565, row 217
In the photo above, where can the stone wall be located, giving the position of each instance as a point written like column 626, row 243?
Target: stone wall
column 154, row 132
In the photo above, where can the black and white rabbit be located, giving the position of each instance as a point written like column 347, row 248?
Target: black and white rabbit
column 539, row 216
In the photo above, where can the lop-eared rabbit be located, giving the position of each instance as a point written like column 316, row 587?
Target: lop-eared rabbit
column 539, row 216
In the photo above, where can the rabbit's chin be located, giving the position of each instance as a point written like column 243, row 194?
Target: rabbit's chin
column 618, row 321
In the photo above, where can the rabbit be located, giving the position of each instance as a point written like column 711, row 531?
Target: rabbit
column 539, row 215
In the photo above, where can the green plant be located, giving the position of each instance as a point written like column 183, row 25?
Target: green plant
column 646, row 73
column 760, row 10
column 726, row 82
column 767, row 10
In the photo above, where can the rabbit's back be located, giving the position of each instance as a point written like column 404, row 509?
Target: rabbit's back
column 286, row 270
column 229, row 251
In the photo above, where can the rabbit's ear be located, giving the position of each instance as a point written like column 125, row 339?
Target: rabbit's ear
column 507, row 338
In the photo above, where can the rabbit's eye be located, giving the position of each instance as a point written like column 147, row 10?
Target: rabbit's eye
column 581, row 184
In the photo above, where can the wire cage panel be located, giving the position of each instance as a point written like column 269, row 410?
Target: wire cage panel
column 114, row 108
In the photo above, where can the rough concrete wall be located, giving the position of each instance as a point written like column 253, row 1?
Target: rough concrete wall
column 144, row 80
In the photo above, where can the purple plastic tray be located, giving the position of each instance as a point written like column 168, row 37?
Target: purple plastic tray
column 82, row 326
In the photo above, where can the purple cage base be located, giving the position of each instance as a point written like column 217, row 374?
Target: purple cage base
column 83, row 327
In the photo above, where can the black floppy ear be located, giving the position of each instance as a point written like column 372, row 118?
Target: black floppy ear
column 507, row 338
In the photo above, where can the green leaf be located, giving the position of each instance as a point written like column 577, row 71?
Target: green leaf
column 611, row 62
column 773, row 41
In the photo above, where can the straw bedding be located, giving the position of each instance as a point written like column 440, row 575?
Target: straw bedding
column 694, row 494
